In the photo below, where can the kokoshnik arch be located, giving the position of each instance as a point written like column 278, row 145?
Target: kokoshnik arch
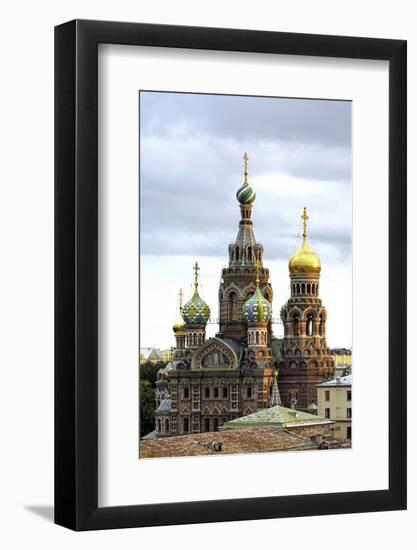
column 211, row 381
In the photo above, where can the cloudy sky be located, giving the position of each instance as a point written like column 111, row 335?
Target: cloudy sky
column 191, row 148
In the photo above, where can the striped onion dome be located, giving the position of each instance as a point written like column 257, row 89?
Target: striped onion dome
column 245, row 194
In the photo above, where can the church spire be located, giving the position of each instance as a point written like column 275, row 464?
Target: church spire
column 275, row 398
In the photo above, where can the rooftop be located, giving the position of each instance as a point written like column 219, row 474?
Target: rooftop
column 232, row 441
column 277, row 416
column 343, row 381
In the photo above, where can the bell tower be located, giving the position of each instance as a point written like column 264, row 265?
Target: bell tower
column 238, row 280
column 306, row 359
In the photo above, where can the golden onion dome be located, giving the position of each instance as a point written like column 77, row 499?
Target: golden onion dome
column 304, row 261
column 179, row 325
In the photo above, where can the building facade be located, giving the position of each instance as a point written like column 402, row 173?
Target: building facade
column 334, row 402
column 212, row 381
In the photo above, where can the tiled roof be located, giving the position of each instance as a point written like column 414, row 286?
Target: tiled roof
column 231, row 441
column 277, row 417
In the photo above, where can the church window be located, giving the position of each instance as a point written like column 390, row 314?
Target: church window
column 233, row 307
column 207, row 393
column 237, row 254
column 224, row 392
column 303, row 288
column 308, row 288
column 296, row 327
column 249, row 254
column 186, row 393
column 298, row 288
column 159, row 425
column 249, row 392
column 216, row 393
column 206, row 424
column 310, row 330
column 186, row 425
column 166, row 426
column 215, row 424
column 257, row 337
column 321, row 325
column 194, row 339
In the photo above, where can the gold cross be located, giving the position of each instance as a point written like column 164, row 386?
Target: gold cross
column 304, row 217
column 196, row 270
column 245, row 166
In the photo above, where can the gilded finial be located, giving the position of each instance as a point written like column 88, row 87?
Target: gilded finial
column 304, row 217
column 196, row 270
column 257, row 266
column 245, row 168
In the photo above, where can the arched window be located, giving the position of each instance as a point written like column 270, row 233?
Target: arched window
column 233, row 306
column 206, row 424
column 186, row 425
column 166, row 426
column 195, row 339
column 310, row 321
column 237, row 254
column 308, row 288
column 321, row 325
column 257, row 337
column 293, row 288
column 298, row 288
column 303, row 288
column 159, row 425
column 296, row 327
column 249, row 253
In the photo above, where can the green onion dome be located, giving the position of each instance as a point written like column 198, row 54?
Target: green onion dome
column 196, row 311
column 245, row 194
column 257, row 309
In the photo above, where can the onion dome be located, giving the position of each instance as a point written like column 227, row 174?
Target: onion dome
column 257, row 309
column 196, row 311
column 304, row 261
column 165, row 405
column 245, row 194
column 179, row 325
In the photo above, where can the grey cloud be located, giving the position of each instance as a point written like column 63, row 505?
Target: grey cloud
column 190, row 169
column 236, row 117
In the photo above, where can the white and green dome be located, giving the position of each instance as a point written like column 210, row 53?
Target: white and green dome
column 257, row 309
column 196, row 312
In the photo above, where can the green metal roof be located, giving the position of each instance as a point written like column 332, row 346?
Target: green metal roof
column 276, row 416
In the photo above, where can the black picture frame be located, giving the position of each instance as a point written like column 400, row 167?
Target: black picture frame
column 76, row 272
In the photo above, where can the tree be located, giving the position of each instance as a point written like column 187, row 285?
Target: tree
column 147, row 407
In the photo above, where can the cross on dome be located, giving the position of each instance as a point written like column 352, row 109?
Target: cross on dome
column 304, row 217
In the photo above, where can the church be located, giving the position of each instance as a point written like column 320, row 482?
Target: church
column 213, row 381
